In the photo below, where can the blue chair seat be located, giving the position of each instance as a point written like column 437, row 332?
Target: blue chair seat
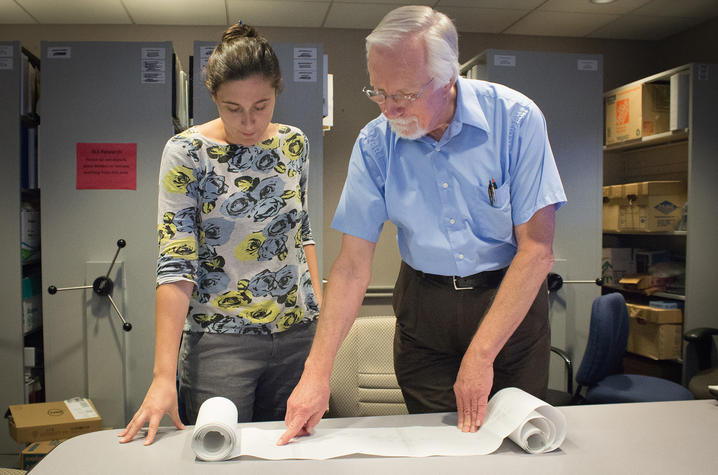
column 618, row 388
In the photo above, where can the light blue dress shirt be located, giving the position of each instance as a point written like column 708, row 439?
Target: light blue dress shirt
column 436, row 193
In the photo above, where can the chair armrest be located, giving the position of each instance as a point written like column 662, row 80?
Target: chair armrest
column 696, row 335
column 702, row 340
column 569, row 367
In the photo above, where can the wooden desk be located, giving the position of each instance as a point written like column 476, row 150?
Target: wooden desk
column 641, row 438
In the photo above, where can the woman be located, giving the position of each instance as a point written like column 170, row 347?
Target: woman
column 237, row 272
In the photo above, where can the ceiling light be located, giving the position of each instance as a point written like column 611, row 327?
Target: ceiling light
column 600, row 2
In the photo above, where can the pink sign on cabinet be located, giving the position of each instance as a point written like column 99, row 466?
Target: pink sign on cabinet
column 106, row 166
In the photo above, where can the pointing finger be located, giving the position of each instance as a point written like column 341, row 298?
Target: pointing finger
column 294, row 428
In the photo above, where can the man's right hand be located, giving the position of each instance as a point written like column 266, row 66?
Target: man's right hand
column 161, row 398
column 305, row 408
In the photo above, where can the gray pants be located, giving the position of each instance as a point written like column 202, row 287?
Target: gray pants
column 256, row 372
column 435, row 325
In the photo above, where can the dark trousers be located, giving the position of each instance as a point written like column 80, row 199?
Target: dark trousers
column 435, row 324
column 256, row 372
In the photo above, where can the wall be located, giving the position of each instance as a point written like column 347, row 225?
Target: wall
column 697, row 45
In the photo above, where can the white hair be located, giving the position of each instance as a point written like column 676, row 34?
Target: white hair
column 438, row 31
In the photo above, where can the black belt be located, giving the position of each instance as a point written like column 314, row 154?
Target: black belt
column 486, row 279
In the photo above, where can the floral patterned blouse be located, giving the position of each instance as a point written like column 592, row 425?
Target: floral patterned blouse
column 233, row 220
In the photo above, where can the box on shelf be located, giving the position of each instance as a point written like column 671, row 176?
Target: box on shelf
column 635, row 281
column 650, row 314
column 651, row 206
column 664, row 304
column 36, row 451
column 655, row 332
column 612, row 196
column 31, row 303
column 637, row 111
column 655, row 340
column 615, row 263
column 52, row 420
column 29, row 232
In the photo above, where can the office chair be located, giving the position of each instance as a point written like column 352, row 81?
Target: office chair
column 700, row 349
column 601, row 370
column 363, row 382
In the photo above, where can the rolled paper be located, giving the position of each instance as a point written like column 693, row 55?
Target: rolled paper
column 531, row 423
column 214, row 437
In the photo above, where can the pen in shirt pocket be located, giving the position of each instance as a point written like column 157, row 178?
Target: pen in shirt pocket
column 492, row 189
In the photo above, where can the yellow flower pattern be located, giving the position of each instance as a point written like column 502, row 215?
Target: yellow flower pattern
column 181, row 248
column 262, row 312
column 165, row 232
column 249, row 248
column 290, row 318
column 233, row 300
column 293, row 147
column 270, row 143
column 177, row 180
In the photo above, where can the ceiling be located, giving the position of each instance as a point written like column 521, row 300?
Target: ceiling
column 622, row 19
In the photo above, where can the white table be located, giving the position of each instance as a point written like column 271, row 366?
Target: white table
column 642, row 438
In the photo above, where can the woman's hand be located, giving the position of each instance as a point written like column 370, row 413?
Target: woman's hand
column 161, row 399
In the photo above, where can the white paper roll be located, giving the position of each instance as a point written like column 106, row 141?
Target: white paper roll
column 536, row 435
column 214, row 436
column 528, row 421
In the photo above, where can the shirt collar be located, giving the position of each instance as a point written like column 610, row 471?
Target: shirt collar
column 468, row 107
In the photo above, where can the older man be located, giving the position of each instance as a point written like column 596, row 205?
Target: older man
column 465, row 171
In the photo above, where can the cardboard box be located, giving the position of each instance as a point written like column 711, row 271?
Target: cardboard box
column 636, row 281
column 650, row 314
column 651, row 206
column 637, row 111
column 615, row 263
column 612, row 197
column 36, row 451
column 655, row 340
column 664, row 304
column 52, row 420
column 647, row 206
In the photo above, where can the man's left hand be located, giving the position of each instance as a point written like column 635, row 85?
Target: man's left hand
column 472, row 387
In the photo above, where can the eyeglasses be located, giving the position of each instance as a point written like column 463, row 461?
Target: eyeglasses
column 400, row 99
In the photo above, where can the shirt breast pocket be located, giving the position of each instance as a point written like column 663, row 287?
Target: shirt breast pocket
column 494, row 220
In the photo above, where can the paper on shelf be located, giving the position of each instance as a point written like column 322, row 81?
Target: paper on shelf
column 528, row 421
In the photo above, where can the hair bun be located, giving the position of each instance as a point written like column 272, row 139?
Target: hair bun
column 237, row 31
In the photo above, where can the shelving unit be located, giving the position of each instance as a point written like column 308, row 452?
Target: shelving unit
column 688, row 155
column 18, row 133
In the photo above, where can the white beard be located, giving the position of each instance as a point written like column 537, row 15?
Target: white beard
column 407, row 128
